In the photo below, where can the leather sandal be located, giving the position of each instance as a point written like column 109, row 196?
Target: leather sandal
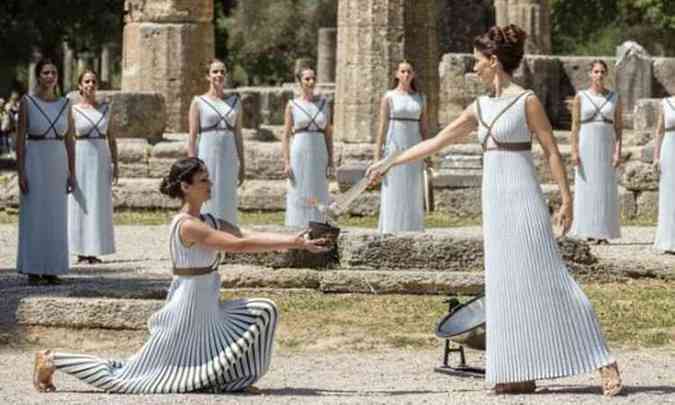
column 611, row 380
column 43, row 371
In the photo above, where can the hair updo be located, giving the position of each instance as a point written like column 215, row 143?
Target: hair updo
column 181, row 171
column 506, row 43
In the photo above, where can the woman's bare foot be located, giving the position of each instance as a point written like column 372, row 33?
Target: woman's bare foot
column 611, row 380
column 524, row 387
column 43, row 371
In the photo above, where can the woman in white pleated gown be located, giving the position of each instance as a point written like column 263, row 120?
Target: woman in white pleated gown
column 197, row 342
column 90, row 208
column 664, row 161
column 403, row 120
column 540, row 324
column 215, row 137
column 45, row 158
column 307, row 148
column 597, row 126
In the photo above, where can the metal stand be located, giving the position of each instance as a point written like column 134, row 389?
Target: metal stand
column 461, row 370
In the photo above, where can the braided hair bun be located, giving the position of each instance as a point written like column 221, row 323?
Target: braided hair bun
column 506, row 43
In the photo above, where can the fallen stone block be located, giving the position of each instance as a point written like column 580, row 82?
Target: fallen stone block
column 402, row 282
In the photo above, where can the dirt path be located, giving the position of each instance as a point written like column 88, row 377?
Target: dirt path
column 365, row 378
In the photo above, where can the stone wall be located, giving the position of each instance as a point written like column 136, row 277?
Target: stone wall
column 133, row 115
column 167, row 44
column 554, row 78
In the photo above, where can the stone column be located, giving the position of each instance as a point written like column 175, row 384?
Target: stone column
column 534, row 16
column 85, row 60
column 104, row 74
column 373, row 37
column 326, row 55
column 167, row 44
column 32, row 79
column 68, row 59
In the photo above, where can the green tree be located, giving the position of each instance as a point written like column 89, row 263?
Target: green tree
column 265, row 38
column 596, row 27
column 44, row 24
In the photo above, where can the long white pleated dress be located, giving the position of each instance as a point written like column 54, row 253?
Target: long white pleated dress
column 309, row 162
column 43, row 223
column 217, row 147
column 539, row 323
column 402, row 194
column 90, row 208
column 596, row 194
column 197, row 343
column 665, row 229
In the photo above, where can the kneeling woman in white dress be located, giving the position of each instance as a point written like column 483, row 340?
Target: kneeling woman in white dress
column 307, row 148
column 215, row 137
column 597, row 125
column 664, row 161
column 90, row 208
column 403, row 124
column 197, row 343
column 539, row 323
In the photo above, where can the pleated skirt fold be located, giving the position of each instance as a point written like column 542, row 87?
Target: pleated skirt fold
column 43, row 223
column 90, row 208
column 665, row 229
column 539, row 323
column 402, row 193
column 309, row 184
column 195, row 344
column 596, row 192
column 219, row 151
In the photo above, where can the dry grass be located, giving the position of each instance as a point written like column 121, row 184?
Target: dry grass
column 633, row 314
column 159, row 217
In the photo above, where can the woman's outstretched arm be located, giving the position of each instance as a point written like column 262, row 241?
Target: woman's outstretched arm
column 230, row 238
column 456, row 130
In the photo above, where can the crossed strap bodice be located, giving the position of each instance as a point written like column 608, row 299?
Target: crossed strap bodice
column 408, row 108
column 598, row 109
column 88, row 127
column 489, row 135
column 37, row 135
column 221, row 117
column 313, row 124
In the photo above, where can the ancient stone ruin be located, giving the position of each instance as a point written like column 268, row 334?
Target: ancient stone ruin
column 356, row 60
column 166, row 46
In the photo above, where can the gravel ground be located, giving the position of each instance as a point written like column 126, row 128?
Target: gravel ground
column 366, row 378
column 145, row 247
column 396, row 377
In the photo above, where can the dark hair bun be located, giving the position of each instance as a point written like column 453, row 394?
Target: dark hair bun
column 181, row 171
column 506, row 43
column 170, row 188
column 514, row 36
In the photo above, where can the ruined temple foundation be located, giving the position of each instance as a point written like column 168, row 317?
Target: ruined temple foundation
column 167, row 44
column 534, row 16
column 373, row 37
